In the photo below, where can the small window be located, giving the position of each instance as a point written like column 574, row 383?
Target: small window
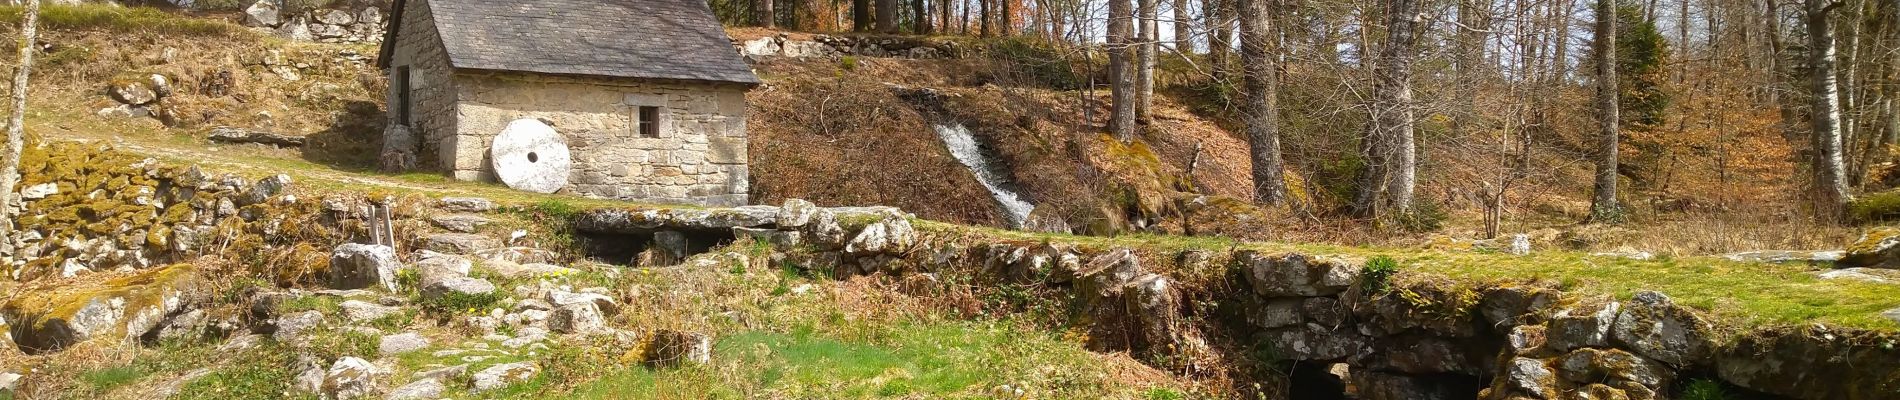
column 403, row 114
column 647, row 122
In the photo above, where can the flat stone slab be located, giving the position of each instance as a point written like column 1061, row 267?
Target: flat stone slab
column 460, row 243
column 462, row 223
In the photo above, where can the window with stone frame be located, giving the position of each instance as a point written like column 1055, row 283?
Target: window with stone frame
column 646, row 121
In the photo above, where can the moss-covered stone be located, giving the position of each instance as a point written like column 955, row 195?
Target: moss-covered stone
column 121, row 308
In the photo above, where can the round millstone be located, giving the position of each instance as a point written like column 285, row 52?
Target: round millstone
column 529, row 155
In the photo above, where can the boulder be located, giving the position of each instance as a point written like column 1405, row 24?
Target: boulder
column 356, row 266
column 502, row 375
column 669, row 248
column 401, row 343
column 350, row 378
column 264, row 190
column 1813, row 362
column 1505, row 307
column 126, row 308
column 424, row 389
column 1525, row 339
column 778, row 238
column 1878, row 248
column 9, row 381
column 604, row 303
column 132, row 93
column 1314, row 343
column 189, row 324
column 335, row 17
column 1613, row 367
column 1869, row 275
column 466, row 204
column 263, row 13
column 463, row 286
column 1106, row 274
column 463, row 223
column 1530, row 377
column 363, row 311
column 437, row 267
column 674, row 348
column 761, row 47
column 1586, row 324
column 1276, row 313
column 795, row 214
column 1653, row 326
column 292, row 328
column 459, row 243
column 579, row 318
column 1294, row 274
column 892, row 235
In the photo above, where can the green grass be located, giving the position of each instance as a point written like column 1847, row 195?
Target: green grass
column 1738, row 295
column 947, row 360
column 264, row 373
column 122, row 19
column 104, row 380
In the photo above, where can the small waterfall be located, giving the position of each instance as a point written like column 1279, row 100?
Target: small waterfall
column 963, row 145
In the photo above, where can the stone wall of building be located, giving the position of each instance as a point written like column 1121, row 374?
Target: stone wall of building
column 431, row 83
column 699, row 156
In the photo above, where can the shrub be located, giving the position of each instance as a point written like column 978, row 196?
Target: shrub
column 1704, row 389
column 1377, row 274
column 1041, row 61
column 121, row 19
column 1876, row 207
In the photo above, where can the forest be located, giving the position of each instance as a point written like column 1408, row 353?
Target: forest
column 1401, row 110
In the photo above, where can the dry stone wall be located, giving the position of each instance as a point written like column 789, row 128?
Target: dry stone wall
column 87, row 208
column 327, row 22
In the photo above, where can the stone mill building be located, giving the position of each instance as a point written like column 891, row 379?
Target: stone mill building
column 645, row 98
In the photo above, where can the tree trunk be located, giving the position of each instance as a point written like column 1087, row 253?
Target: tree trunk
column 861, row 15
column 887, row 16
column 943, row 14
column 1389, row 148
column 1220, row 42
column 964, row 27
column 1183, row 27
column 1260, row 107
column 1560, row 58
column 766, row 14
column 1145, row 60
column 16, row 123
column 1603, row 207
column 920, row 16
column 1004, row 17
column 1121, row 86
column 1830, row 184
column 983, row 17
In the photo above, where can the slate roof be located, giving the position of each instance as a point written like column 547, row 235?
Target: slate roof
column 651, row 39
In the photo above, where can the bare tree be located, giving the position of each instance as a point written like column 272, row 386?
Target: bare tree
column 1389, row 146
column 1830, row 176
column 16, row 123
column 1121, row 85
column 1261, row 108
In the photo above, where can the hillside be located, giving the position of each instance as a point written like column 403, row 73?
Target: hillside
column 239, row 271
